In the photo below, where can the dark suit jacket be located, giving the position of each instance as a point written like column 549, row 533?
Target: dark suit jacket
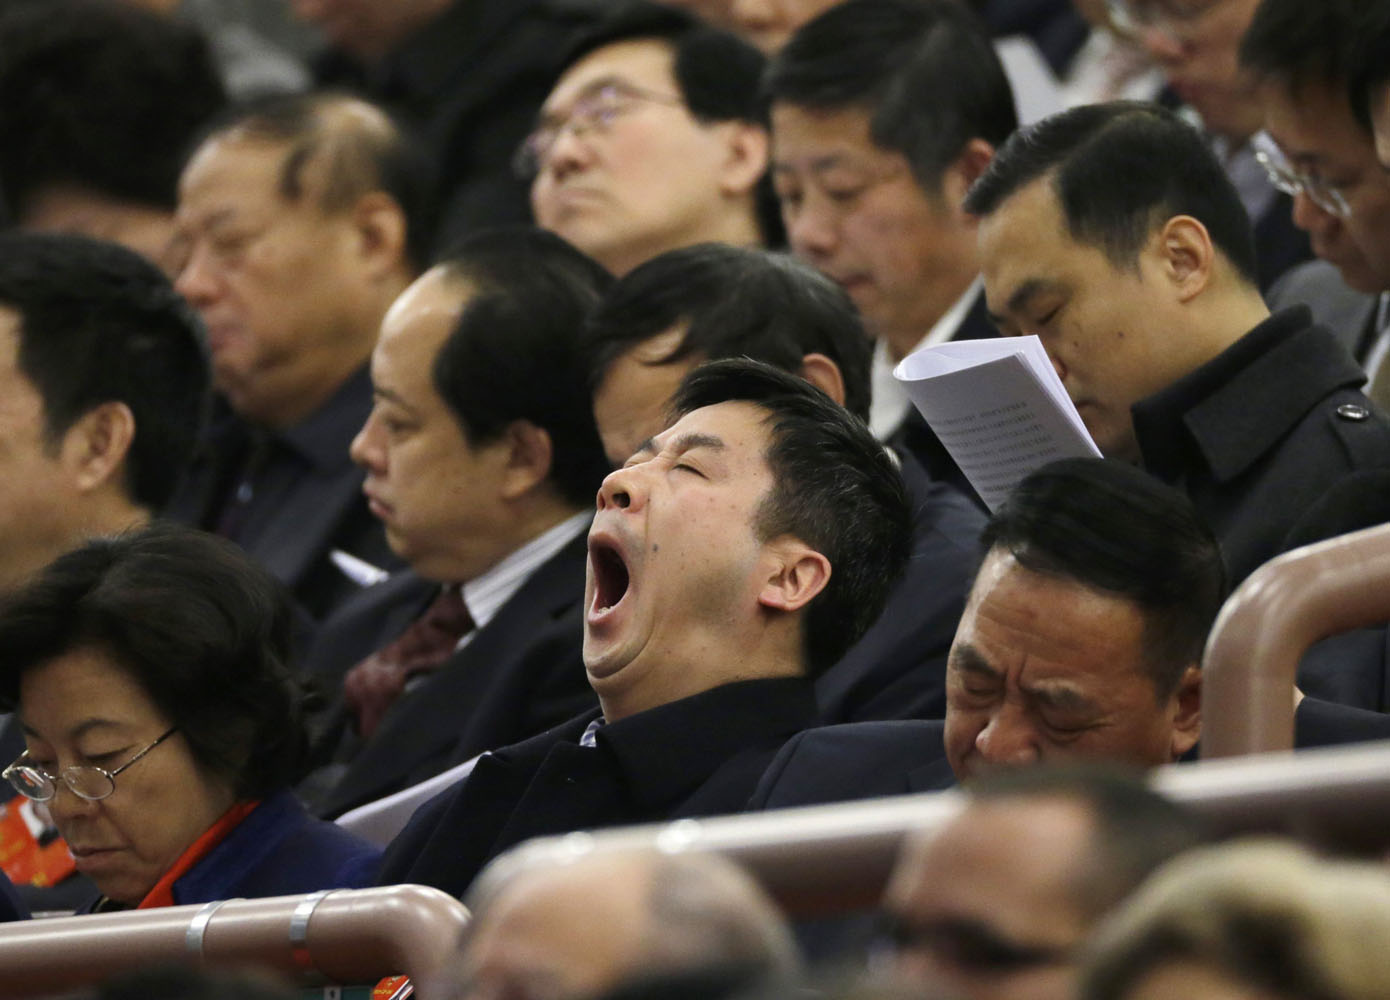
column 862, row 760
column 897, row 670
column 1319, row 723
column 521, row 673
column 699, row 756
column 309, row 502
column 364, row 623
column 872, row 759
column 1257, row 435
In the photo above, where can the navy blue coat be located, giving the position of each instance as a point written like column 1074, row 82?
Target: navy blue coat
column 278, row 850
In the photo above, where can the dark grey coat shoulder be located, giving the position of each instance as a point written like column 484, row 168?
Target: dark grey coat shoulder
column 1259, row 434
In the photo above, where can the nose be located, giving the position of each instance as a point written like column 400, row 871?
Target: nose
column 1161, row 43
column 1009, row 738
column 197, row 282
column 1058, row 365
column 623, row 489
column 811, row 230
column 66, row 806
column 569, row 152
column 366, row 449
column 1309, row 216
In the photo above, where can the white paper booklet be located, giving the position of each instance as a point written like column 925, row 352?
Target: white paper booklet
column 998, row 407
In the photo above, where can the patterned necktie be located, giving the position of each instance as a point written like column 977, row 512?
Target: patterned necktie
column 374, row 684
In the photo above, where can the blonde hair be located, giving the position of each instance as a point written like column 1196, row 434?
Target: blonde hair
column 1266, row 913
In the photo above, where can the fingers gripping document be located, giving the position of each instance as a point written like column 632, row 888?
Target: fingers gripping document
column 998, row 407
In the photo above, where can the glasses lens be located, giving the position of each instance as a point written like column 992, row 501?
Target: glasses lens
column 88, row 782
column 29, row 782
column 1329, row 199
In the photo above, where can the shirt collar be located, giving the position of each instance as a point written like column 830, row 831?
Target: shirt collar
column 889, row 403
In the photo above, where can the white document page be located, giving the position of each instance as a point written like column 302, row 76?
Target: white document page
column 998, row 407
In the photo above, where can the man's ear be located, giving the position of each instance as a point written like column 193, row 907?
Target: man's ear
column 798, row 573
column 529, row 454
column 1186, row 705
column 380, row 229
column 1186, row 255
column 94, row 448
column 748, row 151
column 825, row 375
column 965, row 170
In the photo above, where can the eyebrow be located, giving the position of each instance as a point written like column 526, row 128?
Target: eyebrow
column 1059, row 696
column 817, row 164
column 1023, row 296
column 682, row 444
column 80, row 730
column 589, row 90
column 967, row 658
column 392, row 397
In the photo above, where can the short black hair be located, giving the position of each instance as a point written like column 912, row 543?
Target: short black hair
column 925, row 71
column 834, row 487
column 361, row 147
column 1114, row 528
column 1298, row 44
column 1368, row 67
column 205, row 631
column 102, row 96
column 516, row 352
column 1134, row 828
column 716, row 72
column 98, row 323
column 1119, row 171
column 733, row 302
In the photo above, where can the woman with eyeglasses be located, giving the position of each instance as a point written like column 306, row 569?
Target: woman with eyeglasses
column 163, row 727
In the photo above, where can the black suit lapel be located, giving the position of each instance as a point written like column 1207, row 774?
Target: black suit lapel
column 426, row 723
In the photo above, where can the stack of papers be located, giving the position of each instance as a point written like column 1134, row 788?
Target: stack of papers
column 998, row 407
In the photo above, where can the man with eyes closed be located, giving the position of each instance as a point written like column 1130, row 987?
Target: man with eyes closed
column 735, row 556
column 1081, row 638
column 1112, row 233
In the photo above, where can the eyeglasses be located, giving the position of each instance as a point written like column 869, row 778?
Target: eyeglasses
column 1292, row 181
column 966, row 945
column 86, row 781
column 592, row 112
column 1133, row 17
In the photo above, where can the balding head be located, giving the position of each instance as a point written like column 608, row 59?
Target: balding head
column 581, row 929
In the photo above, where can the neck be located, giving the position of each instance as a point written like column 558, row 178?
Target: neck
column 531, row 520
column 709, row 658
column 92, row 516
column 1231, row 316
column 936, row 300
column 737, row 226
column 313, row 381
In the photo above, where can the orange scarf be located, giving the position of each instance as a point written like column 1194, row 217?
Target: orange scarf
column 163, row 892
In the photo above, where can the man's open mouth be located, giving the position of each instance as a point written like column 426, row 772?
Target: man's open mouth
column 611, row 577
